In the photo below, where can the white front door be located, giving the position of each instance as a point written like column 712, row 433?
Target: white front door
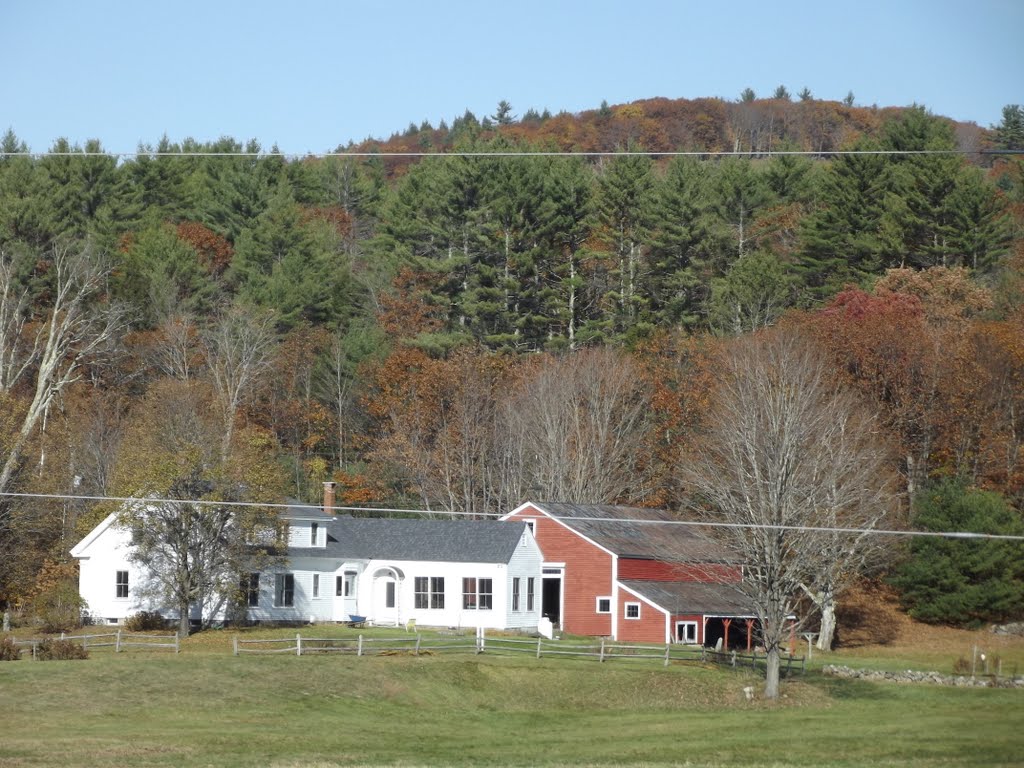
column 385, row 600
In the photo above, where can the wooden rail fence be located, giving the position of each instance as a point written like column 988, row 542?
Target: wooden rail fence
column 118, row 640
column 539, row 648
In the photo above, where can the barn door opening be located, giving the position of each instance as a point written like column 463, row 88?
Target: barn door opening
column 551, row 595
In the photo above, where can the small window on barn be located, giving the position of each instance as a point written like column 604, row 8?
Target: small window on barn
column 632, row 610
column 529, row 593
column 316, row 585
column 314, row 529
column 532, row 525
column 516, row 587
column 121, row 583
column 604, row 605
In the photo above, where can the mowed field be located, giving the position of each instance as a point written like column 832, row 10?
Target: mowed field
column 207, row 707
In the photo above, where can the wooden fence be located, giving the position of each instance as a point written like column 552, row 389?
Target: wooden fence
column 118, row 640
column 415, row 645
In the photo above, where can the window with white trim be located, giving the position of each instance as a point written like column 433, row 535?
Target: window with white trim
column 429, row 592
column 314, row 529
column 632, row 610
column 477, row 594
column 284, row 590
column 516, row 586
column 686, row 632
column 121, row 584
column 529, row 593
column 604, row 605
column 251, row 587
column 532, row 525
column 316, row 585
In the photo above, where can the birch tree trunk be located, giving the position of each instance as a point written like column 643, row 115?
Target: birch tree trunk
column 75, row 328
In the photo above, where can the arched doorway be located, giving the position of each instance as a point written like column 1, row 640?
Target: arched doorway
column 387, row 583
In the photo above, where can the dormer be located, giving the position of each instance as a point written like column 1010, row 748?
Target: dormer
column 307, row 534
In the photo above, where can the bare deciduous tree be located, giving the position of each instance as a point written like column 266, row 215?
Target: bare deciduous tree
column 193, row 547
column 582, row 420
column 238, row 351
column 789, row 456
column 76, row 326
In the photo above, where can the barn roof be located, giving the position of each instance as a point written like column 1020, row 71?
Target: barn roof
column 458, row 541
column 682, row 597
column 632, row 532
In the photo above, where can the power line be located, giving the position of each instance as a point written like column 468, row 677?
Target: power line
column 558, row 153
column 963, row 535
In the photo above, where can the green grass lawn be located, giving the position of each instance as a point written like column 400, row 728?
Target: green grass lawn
column 207, row 707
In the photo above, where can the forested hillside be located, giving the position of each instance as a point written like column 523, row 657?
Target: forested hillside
column 534, row 308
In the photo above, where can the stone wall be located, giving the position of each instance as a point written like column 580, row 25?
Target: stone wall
column 910, row 676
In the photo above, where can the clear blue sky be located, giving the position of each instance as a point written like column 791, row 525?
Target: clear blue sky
column 310, row 75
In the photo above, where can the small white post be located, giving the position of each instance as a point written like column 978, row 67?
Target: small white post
column 117, row 642
column 235, row 639
column 538, row 647
column 298, row 644
column 601, row 657
column 359, row 649
column 177, row 642
column 417, row 644
column 667, row 647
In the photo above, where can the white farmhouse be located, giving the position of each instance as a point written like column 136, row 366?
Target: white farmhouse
column 452, row 573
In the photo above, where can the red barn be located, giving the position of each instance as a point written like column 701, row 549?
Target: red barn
column 621, row 572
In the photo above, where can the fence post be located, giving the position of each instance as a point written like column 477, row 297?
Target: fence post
column 667, row 647
column 789, row 664
column 177, row 642
column 601, row 657
column 417, row 644
column 85, row 642
column 298, row 644
column 733, row 660
column 62, row 636
column 117, row 642
column 234, row 640
column 538, row 647
column 359, row 649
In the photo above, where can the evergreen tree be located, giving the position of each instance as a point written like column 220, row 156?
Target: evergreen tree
column 291, row 266
column 963, row 582
column 625, row 210
column 918, row 224
column 781, row 93
column 1010, row 132
column 679, row 263
column 840, row 238
column 503, row 115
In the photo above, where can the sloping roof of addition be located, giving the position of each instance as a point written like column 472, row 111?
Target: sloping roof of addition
column 690, row 597
column 454, row 541
column 635, row 532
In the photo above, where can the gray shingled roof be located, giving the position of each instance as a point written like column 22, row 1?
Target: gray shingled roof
column 457, row 541
column 679, row 597
column 613, row 528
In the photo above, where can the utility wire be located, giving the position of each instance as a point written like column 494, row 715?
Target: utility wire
column 567, row 153
column 444, row 513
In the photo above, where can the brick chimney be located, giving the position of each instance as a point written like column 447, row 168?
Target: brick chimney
column 329, row 497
